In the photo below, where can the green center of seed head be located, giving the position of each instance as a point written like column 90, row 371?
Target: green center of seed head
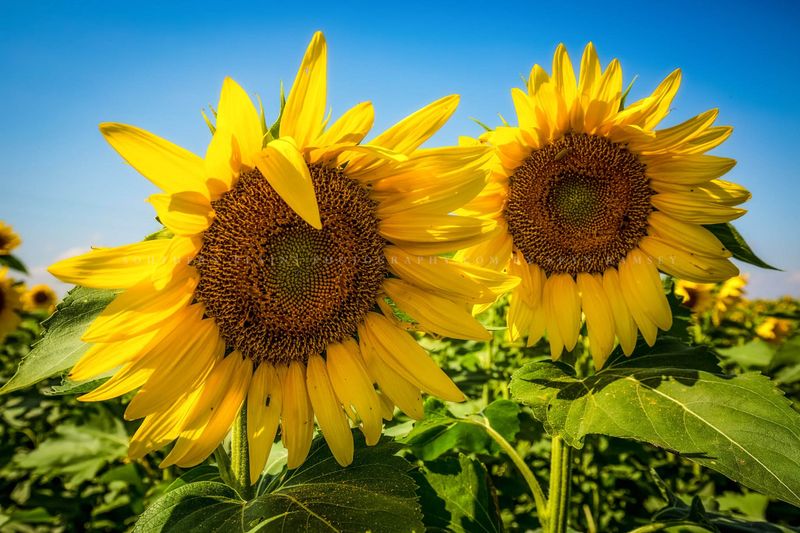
column 575, row 200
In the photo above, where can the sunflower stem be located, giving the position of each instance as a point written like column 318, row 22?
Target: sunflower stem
column 530, row 478
column 240, row 455
column 560, row 486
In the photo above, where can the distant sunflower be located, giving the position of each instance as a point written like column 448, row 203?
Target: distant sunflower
column 591, row 201
column 39, row 298
column 277, row 288
column 716, row 299
column 10, row 304
column 8, row 239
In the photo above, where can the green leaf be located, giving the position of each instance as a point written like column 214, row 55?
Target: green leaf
column 13, row 263
column 753, row 355
column 742, row 426
column 195, row 475
column 456, row 496
column 733, row 241
column 69, row 387
column 77, row 453
column 440, row 431
column 61, row 346
column 374, row 493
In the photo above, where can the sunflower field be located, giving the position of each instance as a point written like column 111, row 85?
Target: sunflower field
column 330, row 328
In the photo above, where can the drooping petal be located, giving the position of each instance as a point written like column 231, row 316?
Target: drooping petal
column 286, row 171
column 405, row 395
column 328, row 410
column 599, row 317
column 184, row 213
column 623, row 320
column 354, row 388
column 264, row 400
column 402, row 354
column 297, row 415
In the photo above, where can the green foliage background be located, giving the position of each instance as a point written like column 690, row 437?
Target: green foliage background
column 64, row 465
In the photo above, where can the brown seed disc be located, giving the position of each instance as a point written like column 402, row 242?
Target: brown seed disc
column 579, row 204
column 279, row 289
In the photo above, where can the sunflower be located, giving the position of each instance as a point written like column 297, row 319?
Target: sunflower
column 9, row 304
column 591, row 201
column 39, row 298
column 8, row 239
column 717, row 299
column 774, row 330
column 292, row 248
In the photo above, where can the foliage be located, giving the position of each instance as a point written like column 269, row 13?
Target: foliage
column 671, row 438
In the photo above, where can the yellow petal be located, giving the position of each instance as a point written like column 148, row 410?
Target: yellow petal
column 567, row 308
column 185, row 213
column 287, row 172
column 297, row 415
column 564, row 75
column 213, row 415
column 141, row 309
column 180, row 364
column 263, row 415
column 101, row 358
column 328, row 410
column 408, row 134
column 237, row 115
column 623, row 320
column 551, row 317
column 590, row 71
column 305, row 106
column 405, row 395
column 641, row 282
column 691, row 237
column 223, row 163
column 519, row 316
column 599, row 317
column 695, row 208
column 402, row 354
column 112, row 268
column 689, row 169
column 354, row 388
column 159, row 429
column 685, row 264
column 169, row 167
column 452, row 278
column 434, row 313
column 351, row 128
column 435, row 234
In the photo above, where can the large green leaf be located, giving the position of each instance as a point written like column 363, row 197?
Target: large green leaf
column 741, row 426
column 733, row 241
column 61, row 346
column 456, row 496
column 374, row 493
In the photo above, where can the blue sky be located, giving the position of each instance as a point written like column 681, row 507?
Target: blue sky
column 67, row 66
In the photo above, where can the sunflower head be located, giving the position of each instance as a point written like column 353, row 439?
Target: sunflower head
column 39, row 298
column 592, row 199
column 10, row 304
column 291, row 246
column 774, row 330
column 8, row 239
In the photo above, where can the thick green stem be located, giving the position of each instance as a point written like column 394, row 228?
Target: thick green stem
column 527, row 474
column 560, row 485
column 240, row 455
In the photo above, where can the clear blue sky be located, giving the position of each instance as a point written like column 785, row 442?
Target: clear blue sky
column 67, row 66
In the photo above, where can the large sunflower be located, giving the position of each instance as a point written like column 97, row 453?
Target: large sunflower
column 10, row 304
column 591, row 201
column 290, row 251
